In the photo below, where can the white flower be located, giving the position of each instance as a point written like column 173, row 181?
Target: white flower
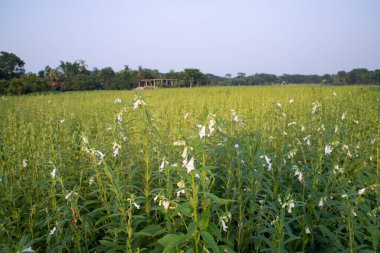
column 91, row 180
column 278, row 105
column 354, row 213
column 224, row 219
column 315, row 107
column 224, row 226
column 345, row 196
column 356, row 122
column 299, row 174
column 163, row 164
column 119, row 118
column 302, row 128
column 69, row 194
column 320, row 202
column 234, row 116
column 337, row 169
column 187, row 115
column 292, row 153
column 190, row 165
column 181, row 186
column 328, row 149
column 291, row 205
column 84, row 140
column 136, row 205
column 211, row 125
column 334, row 94
column 28, row 250
column 52, row 231
column 307, row 230
column 361, row 191
column 24, row 163
column 117, row 101
column 236, row 145
column 99, row 154
column 116, row 149
column 267, row 160
column 291, row 101
column 202, row 132
column 53, row 173
column 179, row 143
column 61, row 121
column 138, row 103
column 184, row 153
column 165, row 204
column 336, row 129
column 343, row 116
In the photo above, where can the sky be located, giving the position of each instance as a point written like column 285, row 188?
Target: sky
column 216, row 36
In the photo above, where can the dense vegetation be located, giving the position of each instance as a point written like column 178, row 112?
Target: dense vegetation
column 242, row 169
column 76, row 76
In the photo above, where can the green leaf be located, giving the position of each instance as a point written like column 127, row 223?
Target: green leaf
column 185, row 209
column 326, row 232
column 191, row 229
column 218, row 200
column 308, row 220
column 215, row 230
column 151, row 230
column 209, row 239
column 171, row 242
column 203, row 221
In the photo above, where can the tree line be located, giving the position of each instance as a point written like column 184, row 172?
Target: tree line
column 74, row 76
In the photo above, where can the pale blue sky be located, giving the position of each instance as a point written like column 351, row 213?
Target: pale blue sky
column 216, row 36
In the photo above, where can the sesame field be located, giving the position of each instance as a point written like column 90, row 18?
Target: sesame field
column 224, row 169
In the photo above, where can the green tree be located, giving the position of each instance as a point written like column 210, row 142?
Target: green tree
column 27, row 84
column 359, row 76
column 125, row 79
column 105, row 77
column 11, row 66
column 55, row 78
column 340, row 78
column 194, row 77
column 85, row 82
column 4, row 84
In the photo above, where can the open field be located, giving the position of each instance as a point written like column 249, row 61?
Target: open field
column 243, row 169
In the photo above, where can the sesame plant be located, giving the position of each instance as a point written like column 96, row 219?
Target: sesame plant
column 243, row 169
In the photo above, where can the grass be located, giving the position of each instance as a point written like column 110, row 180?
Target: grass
column 243, row 169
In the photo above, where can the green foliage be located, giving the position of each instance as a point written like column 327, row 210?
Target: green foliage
column 85, row 82
column 193, row 77
column 24, row 84
column 11, row 66
column 208, row 169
